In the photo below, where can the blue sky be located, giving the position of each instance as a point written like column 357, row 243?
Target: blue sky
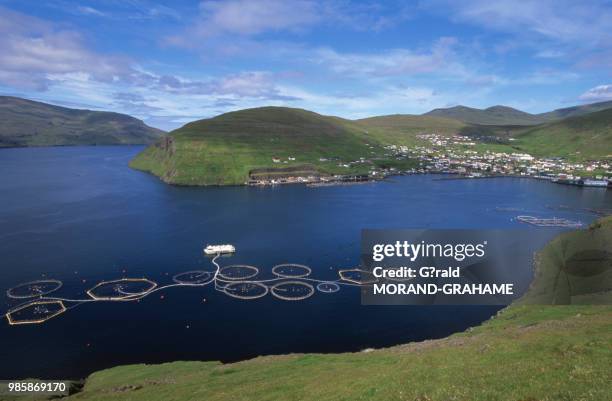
column 173, row 62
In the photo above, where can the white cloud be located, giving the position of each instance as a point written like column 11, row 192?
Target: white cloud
column 559, row 20
column 86, row 10
column 392, row 62
column 247, row 18
column 32, row 49
column 598, row 94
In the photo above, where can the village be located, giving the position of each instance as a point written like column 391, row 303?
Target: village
column 444, row 154
column 455, row 155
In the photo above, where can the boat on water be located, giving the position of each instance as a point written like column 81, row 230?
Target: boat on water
column 217, row 249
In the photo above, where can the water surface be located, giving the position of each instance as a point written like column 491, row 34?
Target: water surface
column 79, row 213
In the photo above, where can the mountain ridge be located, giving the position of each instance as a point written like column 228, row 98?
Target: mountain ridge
column 505, row 115
column 31, row 123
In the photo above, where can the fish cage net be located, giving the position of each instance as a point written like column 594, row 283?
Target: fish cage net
column 122, row 289
column 238, row 272
column 291, row 270
column 292, row 290
column 35, row 312
column 549, row 222
column 194, row 277
column 328, row 287
column 33, row 289
column 246, row 290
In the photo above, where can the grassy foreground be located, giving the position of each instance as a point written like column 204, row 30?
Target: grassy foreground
column 527, row 352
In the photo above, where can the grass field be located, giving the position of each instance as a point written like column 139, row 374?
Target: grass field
column 528, row 352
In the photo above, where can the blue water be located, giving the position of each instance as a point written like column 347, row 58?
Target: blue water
column 80, row 215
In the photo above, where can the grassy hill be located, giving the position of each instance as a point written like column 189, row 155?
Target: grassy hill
column 575, row 111
column 527, row 352
column 402, row 128
column 224, row 149
column 496, row 115
column 29, row 123
column 585, row 136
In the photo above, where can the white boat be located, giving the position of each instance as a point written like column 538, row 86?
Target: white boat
column 216, row 249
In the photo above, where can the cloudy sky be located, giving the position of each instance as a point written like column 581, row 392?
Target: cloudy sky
column 184, row 60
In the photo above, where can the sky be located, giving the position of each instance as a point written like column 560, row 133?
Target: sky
column 169, row 63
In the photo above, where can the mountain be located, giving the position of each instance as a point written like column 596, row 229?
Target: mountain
column 496, row 115
column 576, row 111
column 30, row 123
column 584, row 136
column 225, row 149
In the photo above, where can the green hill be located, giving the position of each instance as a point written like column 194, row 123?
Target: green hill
column 29, row 123
column 576, row 111
column 402, row 128
column 224, row 149
column 585, row 136
column 526, row 352
column 496, row 115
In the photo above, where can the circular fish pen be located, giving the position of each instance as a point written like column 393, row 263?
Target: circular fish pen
column 358, row 276
column 291, row 270
column 246, row 289
column 194, row 277
column 35, row 312
column 328, row 287
column 237, row 272
column 292, row 290
column 125, row 289
column 33, row 289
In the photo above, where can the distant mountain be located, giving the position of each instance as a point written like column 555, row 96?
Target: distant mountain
column 30, row 123
column 576, row 111
column 496, row 115
column 583, row 136
column 503, row 115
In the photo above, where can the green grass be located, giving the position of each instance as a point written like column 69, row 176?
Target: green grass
column 528, row 352
column 583, row 137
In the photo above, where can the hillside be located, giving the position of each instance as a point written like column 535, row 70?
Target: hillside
column 29, row 123
column 526, row 352
column 585, row 136
column 575, row 111
column 224, row 149
column 496, row 115
column 402, row 128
